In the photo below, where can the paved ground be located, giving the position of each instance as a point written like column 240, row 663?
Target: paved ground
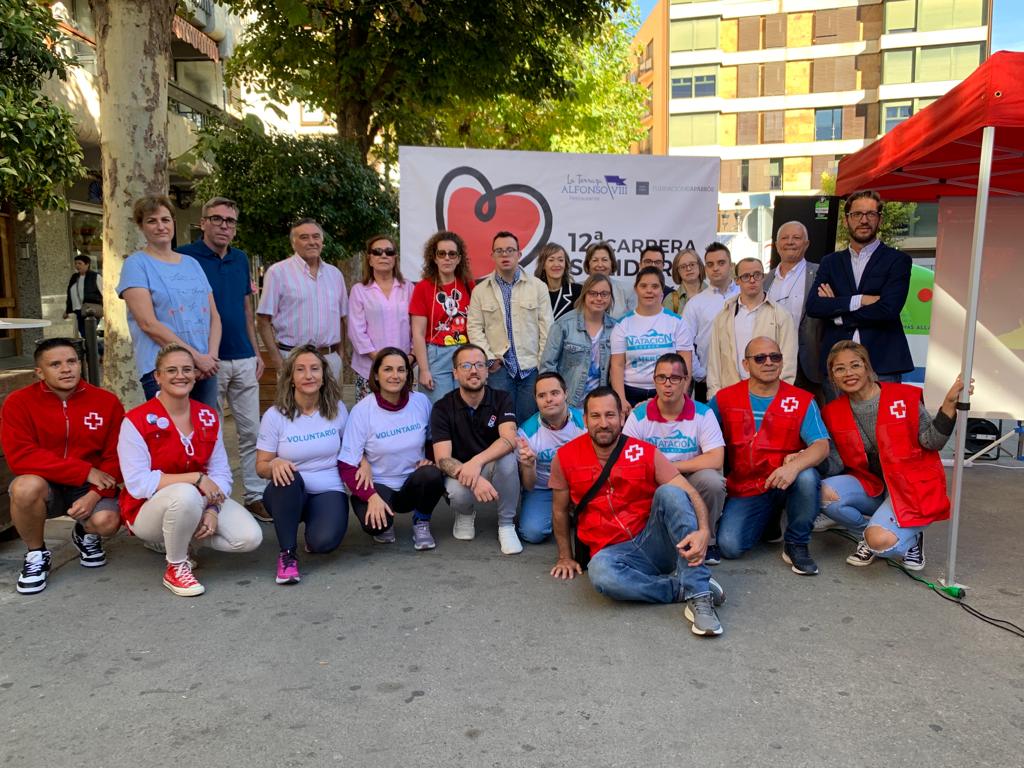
column 383, row 656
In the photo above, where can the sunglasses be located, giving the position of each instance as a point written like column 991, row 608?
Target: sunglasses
column 775, row 357
column 383, row 251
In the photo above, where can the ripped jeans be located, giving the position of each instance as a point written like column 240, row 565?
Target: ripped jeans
column 856, row 510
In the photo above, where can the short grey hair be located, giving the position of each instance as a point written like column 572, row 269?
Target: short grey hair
column 800, row 224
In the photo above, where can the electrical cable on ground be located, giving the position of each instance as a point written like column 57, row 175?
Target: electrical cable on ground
column 953, row 593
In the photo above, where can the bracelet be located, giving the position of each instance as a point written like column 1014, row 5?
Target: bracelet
column 199, row 480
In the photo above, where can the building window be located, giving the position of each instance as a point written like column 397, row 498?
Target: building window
column 649, row 102
column 898, row 66
column 900, row 15
column 647, row 63
column 775, row 173
column 693, row 130
column 694, row 34
column 949, row 14
column 694, row 82
column 930, row 65
column 828, row 124
column 895, row 113
column 744, row 175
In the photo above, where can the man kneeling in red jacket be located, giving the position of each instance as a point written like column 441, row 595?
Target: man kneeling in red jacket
column 59, row 437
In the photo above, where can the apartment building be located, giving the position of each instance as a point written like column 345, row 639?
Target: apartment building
column 781, row 89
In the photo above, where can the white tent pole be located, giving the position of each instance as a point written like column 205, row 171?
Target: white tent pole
column 967, row 363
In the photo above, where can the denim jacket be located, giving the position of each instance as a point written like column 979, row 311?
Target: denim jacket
column 568, row 352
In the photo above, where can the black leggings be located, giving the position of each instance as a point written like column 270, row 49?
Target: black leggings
column 419, row 494
column 325, row 515
column 636, row 395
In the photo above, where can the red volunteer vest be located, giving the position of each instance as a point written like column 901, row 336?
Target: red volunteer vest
column 620, row 509
column 166, row 451
column 914, row 476
column 753, row 454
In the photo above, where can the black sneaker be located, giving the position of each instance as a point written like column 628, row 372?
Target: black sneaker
column 800, row 559
column 713, row 556
column 862, row 555
column 89, row 546
column 33, row 574
column 914, row 559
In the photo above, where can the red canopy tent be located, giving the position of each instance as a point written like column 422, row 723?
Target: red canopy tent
column 969, row 142
column 937, row 151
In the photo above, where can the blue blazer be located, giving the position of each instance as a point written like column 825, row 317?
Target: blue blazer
column 887, row 275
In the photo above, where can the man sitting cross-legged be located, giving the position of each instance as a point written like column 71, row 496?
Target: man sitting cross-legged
column 687, row 432
column 774, row 439
column 59, row 437
column 646, row 527
column 473, row 429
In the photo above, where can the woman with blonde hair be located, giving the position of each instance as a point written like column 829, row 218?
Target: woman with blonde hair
column 599, row 259
column 378, row 309
column 690, row 278
column 579, row 343
column 297, row 451
column 177, row 479
column 885, row 444
column 553, row 269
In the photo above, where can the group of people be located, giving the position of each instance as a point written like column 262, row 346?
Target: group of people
column 651, row 434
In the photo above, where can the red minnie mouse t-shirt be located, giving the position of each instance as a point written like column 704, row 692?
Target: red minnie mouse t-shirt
column 445, row 308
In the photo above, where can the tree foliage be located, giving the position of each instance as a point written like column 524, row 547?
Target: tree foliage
column 276, row 179
column 601, row 113
column 893, row 227
column 38, row 148
column 377, row 64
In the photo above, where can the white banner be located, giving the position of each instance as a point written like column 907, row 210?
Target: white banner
column 542, row 197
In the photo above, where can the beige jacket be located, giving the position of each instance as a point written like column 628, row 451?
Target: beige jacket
column 531, row 319
column 771, row 320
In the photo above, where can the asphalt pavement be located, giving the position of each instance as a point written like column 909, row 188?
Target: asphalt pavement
column 384, row 656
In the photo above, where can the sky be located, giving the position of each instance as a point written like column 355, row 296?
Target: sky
column 1007, row 24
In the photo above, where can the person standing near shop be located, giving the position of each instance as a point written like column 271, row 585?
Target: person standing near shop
column 84, row 292
column 241, row 364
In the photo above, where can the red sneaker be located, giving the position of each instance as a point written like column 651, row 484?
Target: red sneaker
column 179, row 579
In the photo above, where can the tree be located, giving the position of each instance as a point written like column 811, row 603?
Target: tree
column 38, row 149
column 133, row 59
column 895, row 223
column 276, row 179
column 601, row 113
column 384, row 63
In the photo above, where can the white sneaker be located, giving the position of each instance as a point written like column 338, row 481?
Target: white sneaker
column 823, row 522
column 510, row 544
column 465, row 527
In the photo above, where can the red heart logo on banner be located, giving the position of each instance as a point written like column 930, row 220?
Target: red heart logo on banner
column 477, row 214
column 514, row 214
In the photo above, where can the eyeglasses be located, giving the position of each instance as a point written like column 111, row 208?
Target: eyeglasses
column 775, row 357
column 446, row 254
column 220, row 221
column 842, row 370
column 750, row 277
column 864, row 215
column 662, row 378
column 383, row 251
column 692, row 265
column 477, row 366
column 505, row 251
column 599, row 294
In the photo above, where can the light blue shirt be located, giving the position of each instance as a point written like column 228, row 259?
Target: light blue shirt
column 181, row 301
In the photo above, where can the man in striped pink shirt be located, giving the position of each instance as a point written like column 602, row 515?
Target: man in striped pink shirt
column 304, row 300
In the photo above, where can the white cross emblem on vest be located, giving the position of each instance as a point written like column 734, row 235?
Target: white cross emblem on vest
column 789, row 404
column 898, row 409
column 93, row 421
column 634, row 452
column 206, row 416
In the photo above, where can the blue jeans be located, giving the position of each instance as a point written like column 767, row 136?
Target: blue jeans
column 520, row 390
column 744, row 519
column 648, row 568
column 439, row 360
column 205, row 391
column 535, row 515
column 857, row 510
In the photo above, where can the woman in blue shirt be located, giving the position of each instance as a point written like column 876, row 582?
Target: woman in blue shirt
column 169, row 302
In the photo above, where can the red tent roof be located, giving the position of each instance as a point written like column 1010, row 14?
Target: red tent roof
column 935, row 152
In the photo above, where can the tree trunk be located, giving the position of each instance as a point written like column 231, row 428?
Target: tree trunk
column 133, row 47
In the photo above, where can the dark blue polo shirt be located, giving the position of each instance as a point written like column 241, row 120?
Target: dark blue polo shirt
column 229, row 278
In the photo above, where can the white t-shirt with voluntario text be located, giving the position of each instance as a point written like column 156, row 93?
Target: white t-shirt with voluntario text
column 392, row 441
column 311, row 443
